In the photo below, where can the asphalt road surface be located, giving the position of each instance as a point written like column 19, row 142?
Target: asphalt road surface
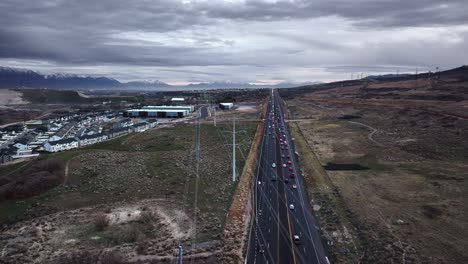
column 284, row 229
column 203, row 112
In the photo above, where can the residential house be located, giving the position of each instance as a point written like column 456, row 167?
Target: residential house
column 140, row 127
column 60, row 145
column 92, row 139
column 21, row 144
column 53, row 127
column 63, row 132
column 152, row 122
column 125, row 122
column 118, row 132
column 7, row 154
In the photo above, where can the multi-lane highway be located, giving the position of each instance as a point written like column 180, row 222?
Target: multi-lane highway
column 283, row 230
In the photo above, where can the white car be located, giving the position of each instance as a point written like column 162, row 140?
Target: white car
column 291, row 206
column 284, row 165
column 297, row 240
column 273, row 165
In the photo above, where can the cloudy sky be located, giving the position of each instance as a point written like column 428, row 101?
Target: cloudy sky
column 261, row 41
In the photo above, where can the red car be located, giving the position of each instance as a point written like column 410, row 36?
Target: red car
column 292, row 175
column 289, row 162
column 290, row 168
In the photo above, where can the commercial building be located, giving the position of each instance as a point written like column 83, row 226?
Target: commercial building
column 189, row 108
column 226, row 106
column 160, row 111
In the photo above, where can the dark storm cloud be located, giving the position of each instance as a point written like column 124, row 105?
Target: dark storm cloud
column 90, row 32
column 364, row 12
column 79, row 31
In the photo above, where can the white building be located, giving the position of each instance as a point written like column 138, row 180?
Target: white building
column 140, row 127
column 60, row 145
column 91, row 139
column 226, row 106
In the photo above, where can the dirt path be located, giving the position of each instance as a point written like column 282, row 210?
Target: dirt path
column 369, row 136
column 65, row 175
column 66, row 171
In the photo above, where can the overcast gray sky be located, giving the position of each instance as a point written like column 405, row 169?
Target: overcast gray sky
column 233, row 40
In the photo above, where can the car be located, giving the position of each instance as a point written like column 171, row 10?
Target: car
column 293, row 175
column 288, row 157
column 291, row 206
column 282, row 156
column 289, row 162
column 290, row 168
column 260, row 249
column 284, row 165
column 297, row 240
column 273, row 165
column 294, row 186
column 286, row 180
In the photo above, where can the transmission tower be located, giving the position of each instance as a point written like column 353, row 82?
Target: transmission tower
column 179, row 254
column 233, row 148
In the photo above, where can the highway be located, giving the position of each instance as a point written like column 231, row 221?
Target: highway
column 284, row 229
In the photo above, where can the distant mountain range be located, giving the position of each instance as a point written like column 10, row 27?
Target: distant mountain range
column 16, row 78
column 23, row 78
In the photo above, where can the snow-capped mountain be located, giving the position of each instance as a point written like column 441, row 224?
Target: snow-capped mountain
column 16, row 78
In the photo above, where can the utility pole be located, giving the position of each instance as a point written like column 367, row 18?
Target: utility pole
column 233, row 148
column 179, row 254
column 214, row 113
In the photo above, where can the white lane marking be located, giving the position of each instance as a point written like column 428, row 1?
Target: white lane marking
column 301, row 196
column 268, row 245
column 304, row 250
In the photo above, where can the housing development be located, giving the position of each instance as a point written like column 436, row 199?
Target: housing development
column 70, row 132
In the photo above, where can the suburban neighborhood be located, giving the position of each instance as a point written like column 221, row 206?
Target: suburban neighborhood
column 29, row 139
